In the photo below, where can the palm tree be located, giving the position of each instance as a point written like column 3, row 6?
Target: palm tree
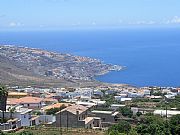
column 3, row 99
column 11, row 110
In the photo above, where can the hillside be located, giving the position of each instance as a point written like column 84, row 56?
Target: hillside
column 30, row 66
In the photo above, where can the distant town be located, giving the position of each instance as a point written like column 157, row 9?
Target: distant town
column 100, row 109
column 96, row 108
column 36, row 63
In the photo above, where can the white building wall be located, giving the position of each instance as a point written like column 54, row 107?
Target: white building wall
column 25, row 118
column 47, row 118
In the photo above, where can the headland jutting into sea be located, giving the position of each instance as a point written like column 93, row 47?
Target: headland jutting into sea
column 35, row 63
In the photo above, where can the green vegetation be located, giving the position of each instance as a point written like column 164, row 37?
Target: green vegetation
column 138, row 114
column 152, row 125
column 126, row 111
column 36, row 112
column 109, row 100
column 173, row 103
column 3, row 99
column 156, row 103
column 149, row 125
column 121, row 127
column 21, row 133
column 3, row 120
column 136, row 100
column 145, row 102
column 11, row 110
column 159, row 93
column 141, row 100
column 55, row 131
column 174, row 124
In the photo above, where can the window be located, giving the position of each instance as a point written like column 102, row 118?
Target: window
column 103, row 119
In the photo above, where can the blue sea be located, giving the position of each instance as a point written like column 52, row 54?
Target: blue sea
column 151, row 56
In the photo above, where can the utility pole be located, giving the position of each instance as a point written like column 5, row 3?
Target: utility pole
column 60, row 124
column 166, row 112
column 166, row 119
column 77, row 113
column 67, row 121
column 127, row 130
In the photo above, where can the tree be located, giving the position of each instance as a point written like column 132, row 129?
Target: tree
column 36, row 112
column 153, row 125
column 133, row 132
column 2, row 133
column 121, row 127
column 175, row 124
column 126, row 111
column 3, row 99
column 109, row 100
column 139, row 114
column 25, row 133
column 11, row 110
column 113, row 132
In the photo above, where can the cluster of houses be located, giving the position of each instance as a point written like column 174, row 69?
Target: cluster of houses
column 82, row 107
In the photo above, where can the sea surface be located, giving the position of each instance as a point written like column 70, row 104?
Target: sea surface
column 151, row 56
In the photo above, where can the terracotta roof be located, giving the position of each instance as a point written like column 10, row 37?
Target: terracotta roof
column 13, row 101
column 17, row 94
column 49, row 95
column 76, row 108
column 24, row 100
column 57, row 105
column 50, row 100
column 31, row 100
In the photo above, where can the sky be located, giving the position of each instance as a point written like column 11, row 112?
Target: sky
column 35, row 14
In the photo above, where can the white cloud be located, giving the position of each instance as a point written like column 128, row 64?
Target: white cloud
column 94, row 23
column 15, row 24
column 12, row 24
column 151, row 22
column 41, row 26
column 143, row 22
column 76, row 24
column 174, row 20
column 120, row 21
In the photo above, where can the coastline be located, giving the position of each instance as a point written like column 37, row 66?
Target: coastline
column 116, row 68
column 113, row 68
column 137, row 56
column 33, row 64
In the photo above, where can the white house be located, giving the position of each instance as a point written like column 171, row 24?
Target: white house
column 119, row 98
column 135, row 95
column 116, row 106
column 169, row 96
column 169, row 113
column 125, row 99
column 30, row 102
column 22, row 114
